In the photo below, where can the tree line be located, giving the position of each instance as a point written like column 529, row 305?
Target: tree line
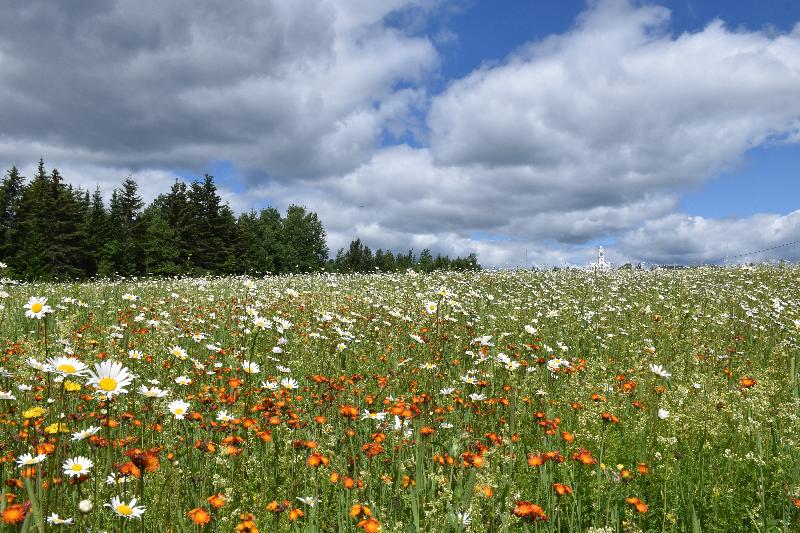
column 50, row 230
column 359, row 258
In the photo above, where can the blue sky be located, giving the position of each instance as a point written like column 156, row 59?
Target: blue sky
column 486, row 32
column 767, row 181
column 489, row 30
column 667, row 130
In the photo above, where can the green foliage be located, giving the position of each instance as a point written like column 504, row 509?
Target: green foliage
column 359, row 258
column 52, row 231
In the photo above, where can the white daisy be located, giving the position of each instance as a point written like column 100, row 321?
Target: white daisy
column 179, row 408
column 36, row 365
column 67, row 366
column 152, row 392
column 311, row 501
column 177, row 351
column 37, row 307
column 269, row 385
column 77, row 466
column 125, row 510
column 28, row 459
column 250, row 367
column 110, row 378
column 379, row 416
column 659, row 371
column 54, row 519
column 289, row 383
column 86, row 433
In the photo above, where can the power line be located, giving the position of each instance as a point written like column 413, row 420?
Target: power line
column 792, row 243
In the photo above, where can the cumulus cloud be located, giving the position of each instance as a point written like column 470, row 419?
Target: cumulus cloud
column 284, row 89
column 688, row 239
column 587, row 135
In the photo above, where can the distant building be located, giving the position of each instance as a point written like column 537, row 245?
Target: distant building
column 601, row 265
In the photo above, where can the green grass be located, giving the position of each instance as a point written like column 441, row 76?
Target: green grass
column 725, row 458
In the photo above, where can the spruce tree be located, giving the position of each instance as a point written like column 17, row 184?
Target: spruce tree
column 123, row 252
column 11, row 192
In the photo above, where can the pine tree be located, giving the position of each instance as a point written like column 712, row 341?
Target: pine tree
column 66, row 250
column 96, row 224
column 11, row 192
column 210, row 249
column 123, row 252
column 162, row 244
column 30, row 241
column 177, row 213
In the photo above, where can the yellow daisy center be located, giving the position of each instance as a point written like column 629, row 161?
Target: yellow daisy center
column 179, row 411
column 37, row 307
column 108, row 384
column 66, row 368
column 124, row 509
column 76, row 467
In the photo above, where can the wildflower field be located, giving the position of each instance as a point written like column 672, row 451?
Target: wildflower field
column 662, row 400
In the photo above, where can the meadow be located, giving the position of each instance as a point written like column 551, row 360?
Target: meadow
column 626, row 401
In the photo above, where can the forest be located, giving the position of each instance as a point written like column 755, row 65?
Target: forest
column 51, row 230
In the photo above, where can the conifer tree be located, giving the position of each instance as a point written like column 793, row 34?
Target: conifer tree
column 11, row 192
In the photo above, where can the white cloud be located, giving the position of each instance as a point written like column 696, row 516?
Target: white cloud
column 691, row 239
column 589, row 135
column 283, row 89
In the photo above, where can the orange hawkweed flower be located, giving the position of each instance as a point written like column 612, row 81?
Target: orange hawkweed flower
column 473, row 459
column 643, row 469
column 567, row 437
column 747, row 382
column 584, row 457
column 535, row 460
column 45, row 448
column 14, row 514
column 562, row 489
column 358, row 509
column 554, row 456
column 209, row 446
column 608, row 417
column 295, row 514
column 348, row 411
column 316, row 459
column 638, row 504
column 529, row 511
column 370, row 525
column 371, row 449
column 144, row 459
column 130, row 469
column 277, row 508
column 486, row 491
column 216, row 501
column 199, row 516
